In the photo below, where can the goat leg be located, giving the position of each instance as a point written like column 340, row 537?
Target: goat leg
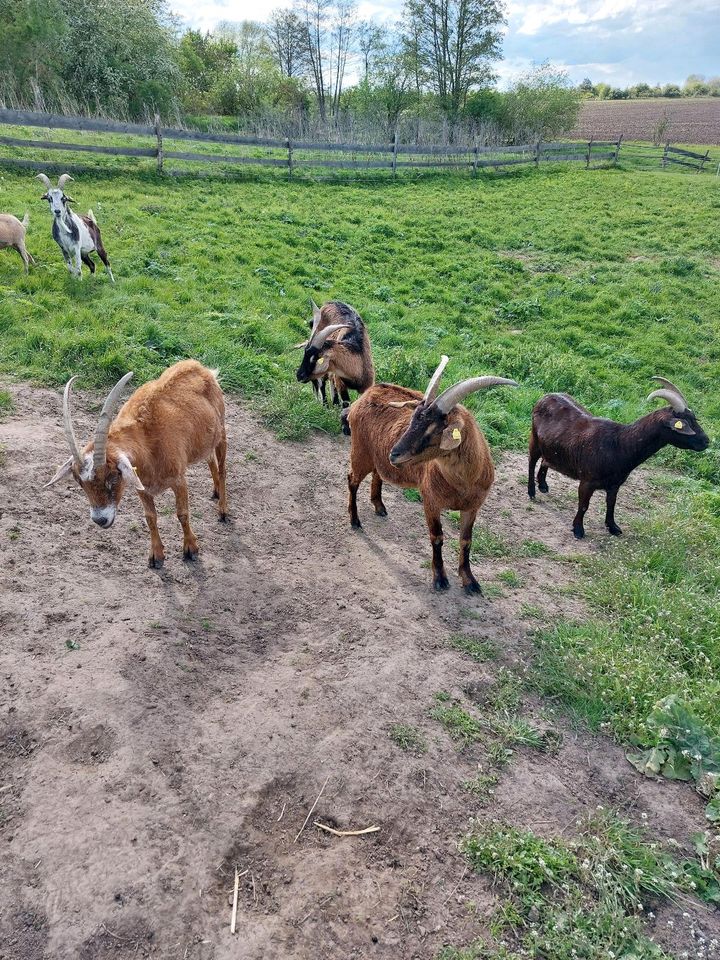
column 542, row 474
column 533, row 457
column 182, row 509
column 221, row 456
column 353, row 484
column 610, row 512
column 467, row 520
column 157, row 551
column 585, row 492
column 376, row 494
column 440, row 580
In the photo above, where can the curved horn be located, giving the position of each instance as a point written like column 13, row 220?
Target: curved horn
column 63, row 179
column 432, row 387
column 670, row 388
column 67, row 424
column 318, row 339
column 454, row 395
column 106, row 416
column 44, row 180
column 317, row 312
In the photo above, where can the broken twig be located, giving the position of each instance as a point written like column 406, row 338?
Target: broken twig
column 233, row 919
column 311, row 810
column 345, row 833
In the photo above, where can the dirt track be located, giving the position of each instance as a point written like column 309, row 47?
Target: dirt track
column 207, row 703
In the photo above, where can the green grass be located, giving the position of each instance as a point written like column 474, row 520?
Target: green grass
column 408, row 738
column 479, row 650
column 567, row 899
column 6, row 403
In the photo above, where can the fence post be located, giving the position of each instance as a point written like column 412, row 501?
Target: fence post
column 394, row 155
column 702, row 162
column 158, row 134
column 590, row 143
column 664, row 156
column 475, row 158
column 290, row 157
column 537, row 153
column 617, row 150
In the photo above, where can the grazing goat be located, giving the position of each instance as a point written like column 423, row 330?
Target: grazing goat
column 600, row 453
column 428, row 442
column 77, row 236
column 166, row 425
column 12, row 234
column 338, row 350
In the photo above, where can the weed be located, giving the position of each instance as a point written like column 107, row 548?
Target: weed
column 412, row 495
column 480, row 650
column 6, row 403
column 510, row 579
column 408, row 738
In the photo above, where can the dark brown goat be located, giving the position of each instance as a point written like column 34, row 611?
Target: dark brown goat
column 600, row 453
column 339, row 351
column 428, row 442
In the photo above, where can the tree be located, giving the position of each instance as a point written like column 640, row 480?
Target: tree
column 370, row 41
column 455, row 42
column 286, row 37
column 32, row 38
column 541, row 104
column 328, row 27
column 586, row 88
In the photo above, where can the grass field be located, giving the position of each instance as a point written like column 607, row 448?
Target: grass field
column 563, row 279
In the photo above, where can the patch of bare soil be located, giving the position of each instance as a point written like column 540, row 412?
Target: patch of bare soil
column 159, row 729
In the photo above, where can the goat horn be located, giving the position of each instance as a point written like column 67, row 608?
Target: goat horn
column 106, row 416
column 454, row 395
column 432, row 387
column 63, row 179
column 671, row 388
column 316, row 315
column 678, row 405
column 67, row 424
column 45, row 180
column 318, row 339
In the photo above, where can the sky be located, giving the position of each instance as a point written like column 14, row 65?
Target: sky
column 620, row 42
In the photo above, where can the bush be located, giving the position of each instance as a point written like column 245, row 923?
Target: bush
column 540, row 104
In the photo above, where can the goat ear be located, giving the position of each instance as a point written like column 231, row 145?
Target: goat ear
column 129, row 473
column 680, row 426
column 69, row 199
column 451, row 437
column 62, row 472
column 45, row 197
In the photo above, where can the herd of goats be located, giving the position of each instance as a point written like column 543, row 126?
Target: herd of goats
column 428, row 441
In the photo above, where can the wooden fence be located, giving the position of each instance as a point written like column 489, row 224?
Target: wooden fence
column 695, row 160
column 291, row 155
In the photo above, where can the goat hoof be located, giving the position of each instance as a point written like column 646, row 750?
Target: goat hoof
column 356, row 525
column 156, row 563
column 531, row 494
column 471, row 588
column 215, row 495
column 615, row 531
column 381, row 511
column 543, row 488
column 189, row 554
column 222, row 517
column 441, row 583
column 578, row 534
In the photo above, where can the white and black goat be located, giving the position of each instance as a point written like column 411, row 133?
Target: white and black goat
column 77, row 236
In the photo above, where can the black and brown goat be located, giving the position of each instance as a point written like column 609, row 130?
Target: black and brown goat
column 601, row 453
column 76, row 234
column 428, row 442
column 338, row 351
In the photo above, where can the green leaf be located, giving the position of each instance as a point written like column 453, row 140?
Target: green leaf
column 648, row 762
column 677, row 766
column 712, row 810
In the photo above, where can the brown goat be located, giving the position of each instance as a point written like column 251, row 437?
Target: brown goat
column 339, row 351
column 601, row 453
column 166, row 425
column 428, row 442
column 12, row 234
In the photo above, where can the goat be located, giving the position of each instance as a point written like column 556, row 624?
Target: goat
column 428, row 442
column 77, row 236
column 344, row 358
column 166, row 425
column 600, row 453
column 12, row 234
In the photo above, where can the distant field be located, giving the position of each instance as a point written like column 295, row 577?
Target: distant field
column 690, row 121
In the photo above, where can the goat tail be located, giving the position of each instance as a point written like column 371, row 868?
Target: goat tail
column 92, row 217
column 216, row 373
column 26, row 219
column 345, row 421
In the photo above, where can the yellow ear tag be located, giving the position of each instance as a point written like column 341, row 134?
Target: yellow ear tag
column 134, row 468
column 678, row 424
column 456, row 434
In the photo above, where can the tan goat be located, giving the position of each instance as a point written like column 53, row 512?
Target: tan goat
column 166, row 425
column 430, row 443
column 12, row 234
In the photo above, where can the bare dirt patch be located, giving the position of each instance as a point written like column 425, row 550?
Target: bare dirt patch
column 159, row 729
column 688, row 120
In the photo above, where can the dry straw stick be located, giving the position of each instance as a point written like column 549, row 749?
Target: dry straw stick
column 233, row 919
column 345, row 833
column 311, row 810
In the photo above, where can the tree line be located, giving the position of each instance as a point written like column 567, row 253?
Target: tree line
column 696, row 85
column 316, row 67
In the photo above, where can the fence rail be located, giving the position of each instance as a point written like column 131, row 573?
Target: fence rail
column 293, row 155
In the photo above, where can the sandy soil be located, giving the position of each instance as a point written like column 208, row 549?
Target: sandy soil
column 160, row 728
